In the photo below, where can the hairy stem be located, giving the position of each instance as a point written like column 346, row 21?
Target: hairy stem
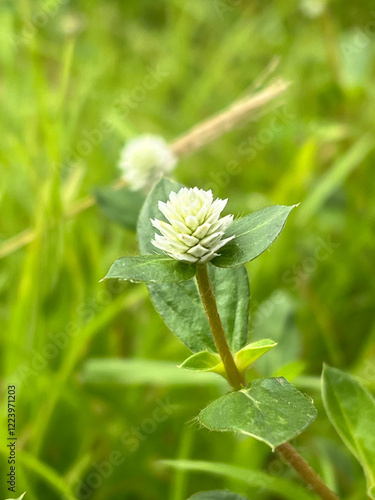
column 208, row 298
column 299, row 464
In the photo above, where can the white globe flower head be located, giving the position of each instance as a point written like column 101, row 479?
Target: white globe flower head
column 145, row 159
column 195, row 231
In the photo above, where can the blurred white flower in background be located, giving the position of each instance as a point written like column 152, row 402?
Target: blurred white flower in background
column 313, row 8
column 195, row 231
column 72, row 23
column 144, row 160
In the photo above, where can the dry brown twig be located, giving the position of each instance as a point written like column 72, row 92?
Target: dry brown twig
column 199, row 136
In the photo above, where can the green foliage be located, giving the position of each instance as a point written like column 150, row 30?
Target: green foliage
column 217, row 495
column 122, row 206
column 351, row 409
column 72, row 93
column 251, row 352
column 204, row 361
column 151, row 269
column 254, row 233
column 270, row 410
column 257, row 480
column 179, row 304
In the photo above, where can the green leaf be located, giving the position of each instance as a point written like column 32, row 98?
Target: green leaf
column 180, row 305
column 250, row 353
column 122, row 206
column 204, row 361
column 271, row 410
column 150, row 268
column 351, row 409
column 254, row 233
column 21, row 497
column 217, row 495
column 181, row 308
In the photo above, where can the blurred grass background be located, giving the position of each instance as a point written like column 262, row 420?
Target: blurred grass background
column 72, row 91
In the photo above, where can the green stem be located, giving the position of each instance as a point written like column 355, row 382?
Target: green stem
column 299, row 464
column 208, row 298
column 286, row 450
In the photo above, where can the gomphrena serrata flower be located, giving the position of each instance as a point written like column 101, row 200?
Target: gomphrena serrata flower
column 195, row 230
column 144, row 160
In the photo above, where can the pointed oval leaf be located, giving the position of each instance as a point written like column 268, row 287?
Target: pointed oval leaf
column 217, row 495
column 271, row 410
column 251, row 352
column 204, row 361
column 151, row 269
column 122, row 206
column 180, row 304
column 253, row 233
column 351, row 409
column 19, row 498
column 180, row 307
